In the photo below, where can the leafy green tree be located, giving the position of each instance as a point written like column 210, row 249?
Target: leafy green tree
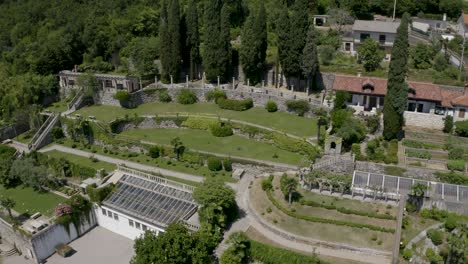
column 341, row 97
column 288, row 186
column 29, row 174
column 8, row 204
column 173, row 26
column 458, row 245
column 310, row 60
column 422, row 56
column 178, row 147
column 370, row 55
column 440, row 62
column 397, row 89
column 217, row 202
column 282, row 27
column 254, row 45
column 352, row 131
column 448, row 124
column 165, row 41
column 326, row 54
column 193, row 38
column 89, row 84
column 141, row 53
column 451, row 7
column 238, row 250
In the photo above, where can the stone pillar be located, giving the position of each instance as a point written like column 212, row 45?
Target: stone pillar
column 203, row 81
column 378, row 102
column 292, row 88
column 263, row 84
column 172, row 82
column 186, row 81
column 218, row 82
column 248, row 82
column 233, row 83
column 155, row 80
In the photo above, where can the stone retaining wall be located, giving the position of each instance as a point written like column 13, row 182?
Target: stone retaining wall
column 411, row 172
column 426, row 120
column 14, row 237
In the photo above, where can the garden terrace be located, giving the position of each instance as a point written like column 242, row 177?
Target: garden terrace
column 201, row 140
column 282, row 121
column 385, row 186
column 82, row 161
column 150, row 201
column 29, row 201
column 326, row 231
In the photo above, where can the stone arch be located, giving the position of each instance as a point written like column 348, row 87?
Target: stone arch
column 333, row 145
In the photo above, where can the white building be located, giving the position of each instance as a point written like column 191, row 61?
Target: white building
column 428, row 103
column 383, row 32
column 145, row 202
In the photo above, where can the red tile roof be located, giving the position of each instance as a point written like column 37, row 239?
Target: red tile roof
column 448, row 96
column 354, row 84
column 461, row 100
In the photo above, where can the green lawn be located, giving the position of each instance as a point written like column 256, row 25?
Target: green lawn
column 202, row 140
column 58, row 107
column 29, row 201
column 83, row 161
column 25, row 137
column 300, row 126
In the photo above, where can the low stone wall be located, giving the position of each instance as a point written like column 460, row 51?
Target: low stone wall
column 411, row 172
column 12, row 131
column 426, row 120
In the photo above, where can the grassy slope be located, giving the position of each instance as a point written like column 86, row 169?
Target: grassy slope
column 27, row 200
column 86, row 162
column 300, row 126
column 204, row 141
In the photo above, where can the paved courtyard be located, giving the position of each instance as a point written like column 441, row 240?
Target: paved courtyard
column 97, row 246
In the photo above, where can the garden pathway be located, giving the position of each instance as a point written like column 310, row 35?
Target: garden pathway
column 422, row 235
column 127, row 163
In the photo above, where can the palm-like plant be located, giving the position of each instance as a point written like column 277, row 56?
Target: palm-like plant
column 288, row 186
column 8, row 204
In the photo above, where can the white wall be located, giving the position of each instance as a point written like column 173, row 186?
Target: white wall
column 426, row 120
column 121, row 225
column 389, row 37
column 457, row 112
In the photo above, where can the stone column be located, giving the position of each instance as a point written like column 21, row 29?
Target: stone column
column 172, row 83
column 186, row 81
column 218, row 82
column 248, row 82
column 263, row 84
column 233, row 83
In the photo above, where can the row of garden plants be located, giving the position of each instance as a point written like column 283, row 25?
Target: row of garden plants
column 245, row 250
column 342, row 183
column 288, row 187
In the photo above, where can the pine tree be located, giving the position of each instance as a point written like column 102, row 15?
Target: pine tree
column 193, row 38
column 217, row 46
column 254, row 45
column 310, row 63
column 397, row 89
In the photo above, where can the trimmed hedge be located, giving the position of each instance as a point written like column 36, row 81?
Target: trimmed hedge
column 461, row 128
column 324, row 220
column 122, row 96
column 154, row 152
column 420, row 145
column 271, row 106
column 215, row 94
column 456, row 153
column 344, row 210
column 199, row 123
column 221, row 129
column 164, row 96
column 421, row 154
column 452, row 177
column 214, row 164
column 300, row 107
column 227, row 164
column 235, row 105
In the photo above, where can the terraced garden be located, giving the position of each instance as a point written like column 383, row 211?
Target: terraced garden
column 315, row 227
column 202, row 140
column 282, row 121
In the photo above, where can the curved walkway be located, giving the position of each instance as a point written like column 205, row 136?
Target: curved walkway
column 127, row 163
column 293, row 241
column 422, row 235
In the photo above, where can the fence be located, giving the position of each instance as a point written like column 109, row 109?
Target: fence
column 394, row 186
column 178, row 185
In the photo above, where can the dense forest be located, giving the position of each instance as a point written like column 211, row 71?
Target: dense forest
column 38, row 38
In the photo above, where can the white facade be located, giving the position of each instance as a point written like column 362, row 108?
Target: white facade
column 121, row 224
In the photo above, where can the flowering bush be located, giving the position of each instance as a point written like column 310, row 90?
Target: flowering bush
column 63, row 209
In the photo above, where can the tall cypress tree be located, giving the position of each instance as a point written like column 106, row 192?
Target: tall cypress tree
column 216, row 40
column 310, row 63
column 282, row 27
column 173, row 26
column 193, row 38
column 254, row 45
column 298, row 35
column 165, row 42
column 397, row 89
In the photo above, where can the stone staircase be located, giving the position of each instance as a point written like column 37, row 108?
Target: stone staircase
column 41, row 136
column 7, row 250
column 74, row 103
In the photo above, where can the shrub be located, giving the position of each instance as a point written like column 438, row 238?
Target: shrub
column 407, row 254
column 154, row 152
column 267, row 254
column 451, row 223
column 373, row 123
column 227, row 164
column 345, row 210
column 341, row 97
column 356, row 150
column 293, row 145
column 235, row 105
column 456, row 153
column 221, row 129
column 186, row 96
column 461, row 128
column 458, row 165
column 339, row 117
column 57, row 133
column 214, row 164
column 164, row 96
column 300, row 107
column 418, row 144
column 418, row 154
column 394, row 170
column 433, row 257
column 448, row 124
column 215, row 94
column 435, row 236
column 271, row 106
column 452, row 177
column 352, row 131
column 267, row 184
column 122, row 96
